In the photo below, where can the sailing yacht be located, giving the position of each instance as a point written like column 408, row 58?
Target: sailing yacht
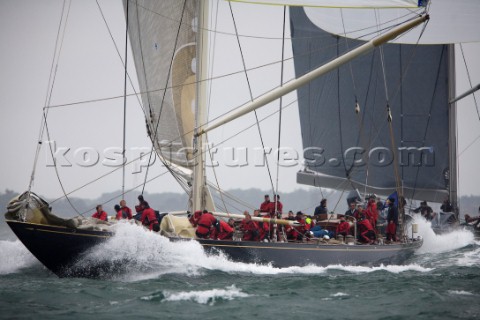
column 340, row 110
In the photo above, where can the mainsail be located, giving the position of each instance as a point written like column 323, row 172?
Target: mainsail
column 346, row 147
column 163, row 41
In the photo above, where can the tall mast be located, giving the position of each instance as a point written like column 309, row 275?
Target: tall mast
column 452, row 130
column 199, row 189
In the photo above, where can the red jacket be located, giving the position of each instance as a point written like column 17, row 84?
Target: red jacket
column 265, row 206
column 226, row 232
column 124, row 213
column 205, row 223
column 365, row 225
column 194, row 217
column 251, row 231
column 101, row 216
column 271, row 207
column 149, row 218
column 343, row 227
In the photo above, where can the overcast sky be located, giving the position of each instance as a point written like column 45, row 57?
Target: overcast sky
column 89, row 69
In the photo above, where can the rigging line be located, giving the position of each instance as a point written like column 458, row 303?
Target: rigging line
column 125, row 104
column 213, row 46
column 128, row 191
column 51, row 81
column 232, row 197
column 56, row 170
column 99, row 178
column 123, row 65
column 154, row 138
column 469, row 145
column 280, row 108
column 349, row 63
column 183, row 84
column 251, row 97
column 411, row 12
column 469, row 80
column 233, row 206
column 138, row 158
column 215, row 173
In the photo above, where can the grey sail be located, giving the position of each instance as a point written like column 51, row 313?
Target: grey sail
column 344, row 149
column 163, row 41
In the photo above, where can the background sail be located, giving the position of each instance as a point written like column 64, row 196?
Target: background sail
column 163, row 40
column 354, row 150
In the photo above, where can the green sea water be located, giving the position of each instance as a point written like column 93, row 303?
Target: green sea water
column 178, row 281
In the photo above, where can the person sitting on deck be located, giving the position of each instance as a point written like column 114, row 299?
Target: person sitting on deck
column 322, row 208
column 205, row 224
column 343, row 227
column 124, row 212
column 149, row 218
column 366, row 233
column 251, row 231
column 392, row 219
column 265, row 206
column 446, row 205
column 100, row 214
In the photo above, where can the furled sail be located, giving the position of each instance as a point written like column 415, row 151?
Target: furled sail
column 163, row 41
column 348, row 146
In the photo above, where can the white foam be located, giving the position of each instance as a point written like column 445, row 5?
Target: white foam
column 439, row 243
column 151, row 256
column 460, row 292
column 15, row 257
column 206, row 296
column 339, row 294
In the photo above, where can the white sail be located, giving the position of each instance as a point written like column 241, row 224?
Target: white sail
column 340, row 3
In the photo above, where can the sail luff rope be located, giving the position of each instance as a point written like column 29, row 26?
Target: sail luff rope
column 125, row 104
column 251, row 97
column 280, row 110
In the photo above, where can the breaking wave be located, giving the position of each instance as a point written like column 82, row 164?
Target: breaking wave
column 15, row 257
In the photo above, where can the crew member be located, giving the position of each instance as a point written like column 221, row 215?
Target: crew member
column 343, row 227
column 352, row 211
column 149, row 218
column 366, row 233
column 371, row 211
column 321, row 209
column 425, row 210
column 140, row 207
column 222, row 231
column 265, row 206
column 205, row 224
column 124, row 212
column 251, row 231
column 100, row 214
column 392, row 219
column 276, row 207
column 195, row 217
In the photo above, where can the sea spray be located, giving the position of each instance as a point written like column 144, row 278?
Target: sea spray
column 134, row 254
column 438, row 243
column 15, row 257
